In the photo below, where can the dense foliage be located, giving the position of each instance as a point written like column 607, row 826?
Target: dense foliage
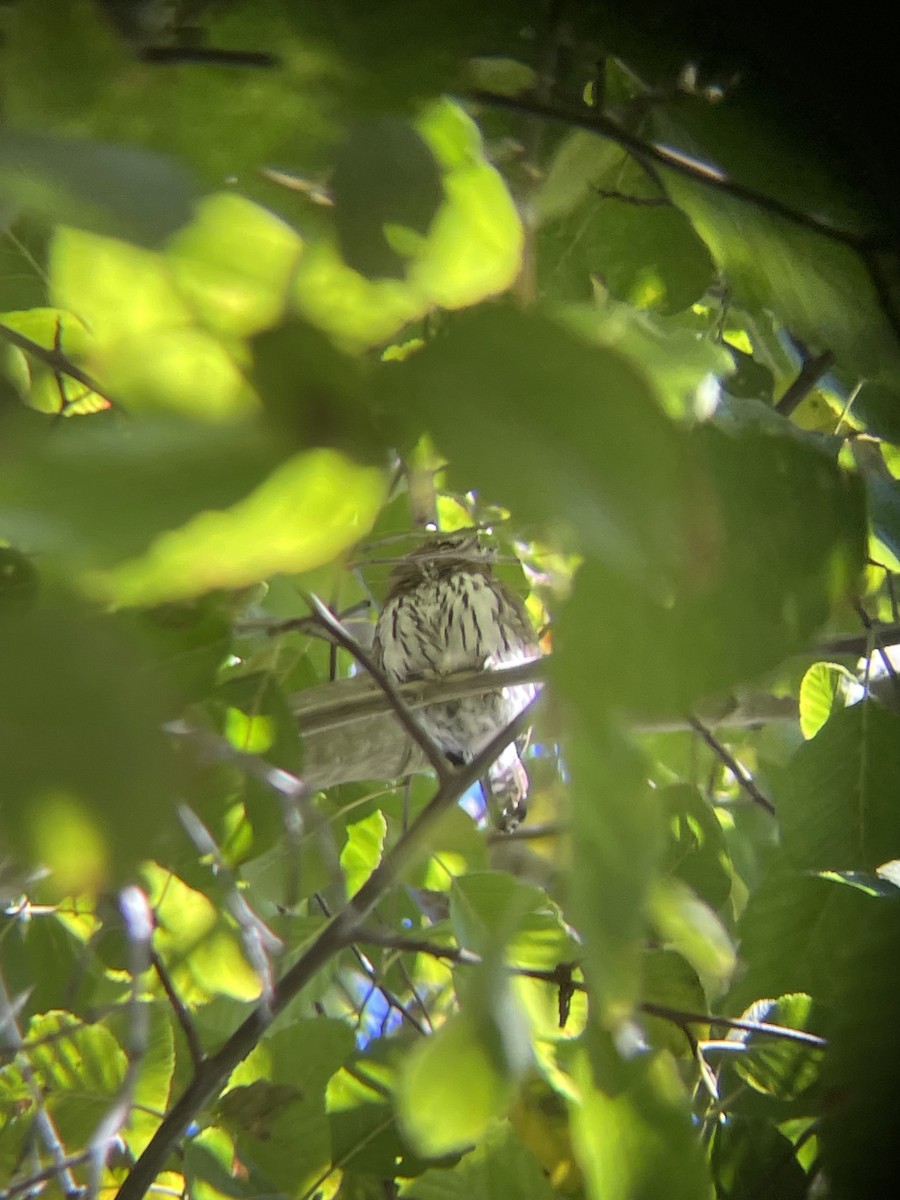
column 278, row 284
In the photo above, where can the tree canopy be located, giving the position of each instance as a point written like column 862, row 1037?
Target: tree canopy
column 282, row 286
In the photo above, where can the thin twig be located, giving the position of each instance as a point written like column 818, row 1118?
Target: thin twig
column 679, row 1016
column 807, row 378
column 637, row 201
column 29, row 1185
column 858, row 643
column 876, row 637
column 463, row 957
column 339, row 932
column 138, row 922
column 43, row 1121
column 258, row 939
column 436, row 758
column 605, row 126
column 216, row 748
column 182, row 1016
column 56, row 361
column 743, row 778
column 368, row 969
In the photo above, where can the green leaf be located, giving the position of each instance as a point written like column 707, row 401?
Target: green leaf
column 778, row 537
column 314, row 394
column 861, row 1120
column 512, row 397
column 90, row 492
column 115, row 190
column 817, row 286
column 452, row 1087
column 638, row 246
column 684, row 923
column 86, row 768
column 384, row 175
column 616, row 842
column 153, row 1089
column 823, row 692
column 837, row 799
column 79, row 1069
column 472, row 250
column 751, row 1157
column 796, row 933
column 638, row 1143
column 19, row 583
column 669, row 980
column 233, row 263
column 697, row 851
column 200, row 950
column 279, row 1114
column 499, row 1166
column 581, row 161
column 363, row 850
column 777, row 1066
column 487, row 907
column 310, row 509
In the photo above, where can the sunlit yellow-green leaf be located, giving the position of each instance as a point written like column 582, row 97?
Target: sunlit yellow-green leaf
column 154, row 1082
column 362, row 853
column 689, row 926
column 117, row 289
column 474, row 246
column 146, row 344
column 823, row 691
column 451, row 1089
column 76, row 1068
column 472, row 250
column 313, row 507
column 71, row 842
column 638, row 1141
column 234, row 263
column 203, row 955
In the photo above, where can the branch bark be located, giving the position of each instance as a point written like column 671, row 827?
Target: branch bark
column 350, row 731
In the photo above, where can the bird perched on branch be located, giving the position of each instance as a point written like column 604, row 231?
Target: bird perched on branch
column 446, row 611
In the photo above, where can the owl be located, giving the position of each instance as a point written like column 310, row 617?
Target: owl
column 446, row 611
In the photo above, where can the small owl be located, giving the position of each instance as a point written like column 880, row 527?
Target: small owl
column 445, row 612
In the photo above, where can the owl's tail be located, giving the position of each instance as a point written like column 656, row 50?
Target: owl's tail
column 506, row 790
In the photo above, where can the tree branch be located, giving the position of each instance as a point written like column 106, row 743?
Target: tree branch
column 437, row 760
column 807, row 378
column 58, row 362
column 338, row 933
column 463, row 957
column 743, row 778
column 597, row 122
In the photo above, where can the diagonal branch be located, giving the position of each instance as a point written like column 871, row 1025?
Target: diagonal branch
column 599, row 123
column 338, row 933
column 744, row 779
column 54, row 358
column 436, row 758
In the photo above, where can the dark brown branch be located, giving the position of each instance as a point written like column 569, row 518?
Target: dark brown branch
column 743, row 778
column 637, row 201
column 339, row 932
column 680, row 1017
column 58, row 362
column 807, row 378
column 182, row 1016
column 29, row 1186
column 562, row 973
column 875, row 636
column 858, row 643
column 436, row 758
column 392, row 1001
column 604, row 126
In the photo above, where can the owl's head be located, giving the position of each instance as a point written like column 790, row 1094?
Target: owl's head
column 444, row 554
